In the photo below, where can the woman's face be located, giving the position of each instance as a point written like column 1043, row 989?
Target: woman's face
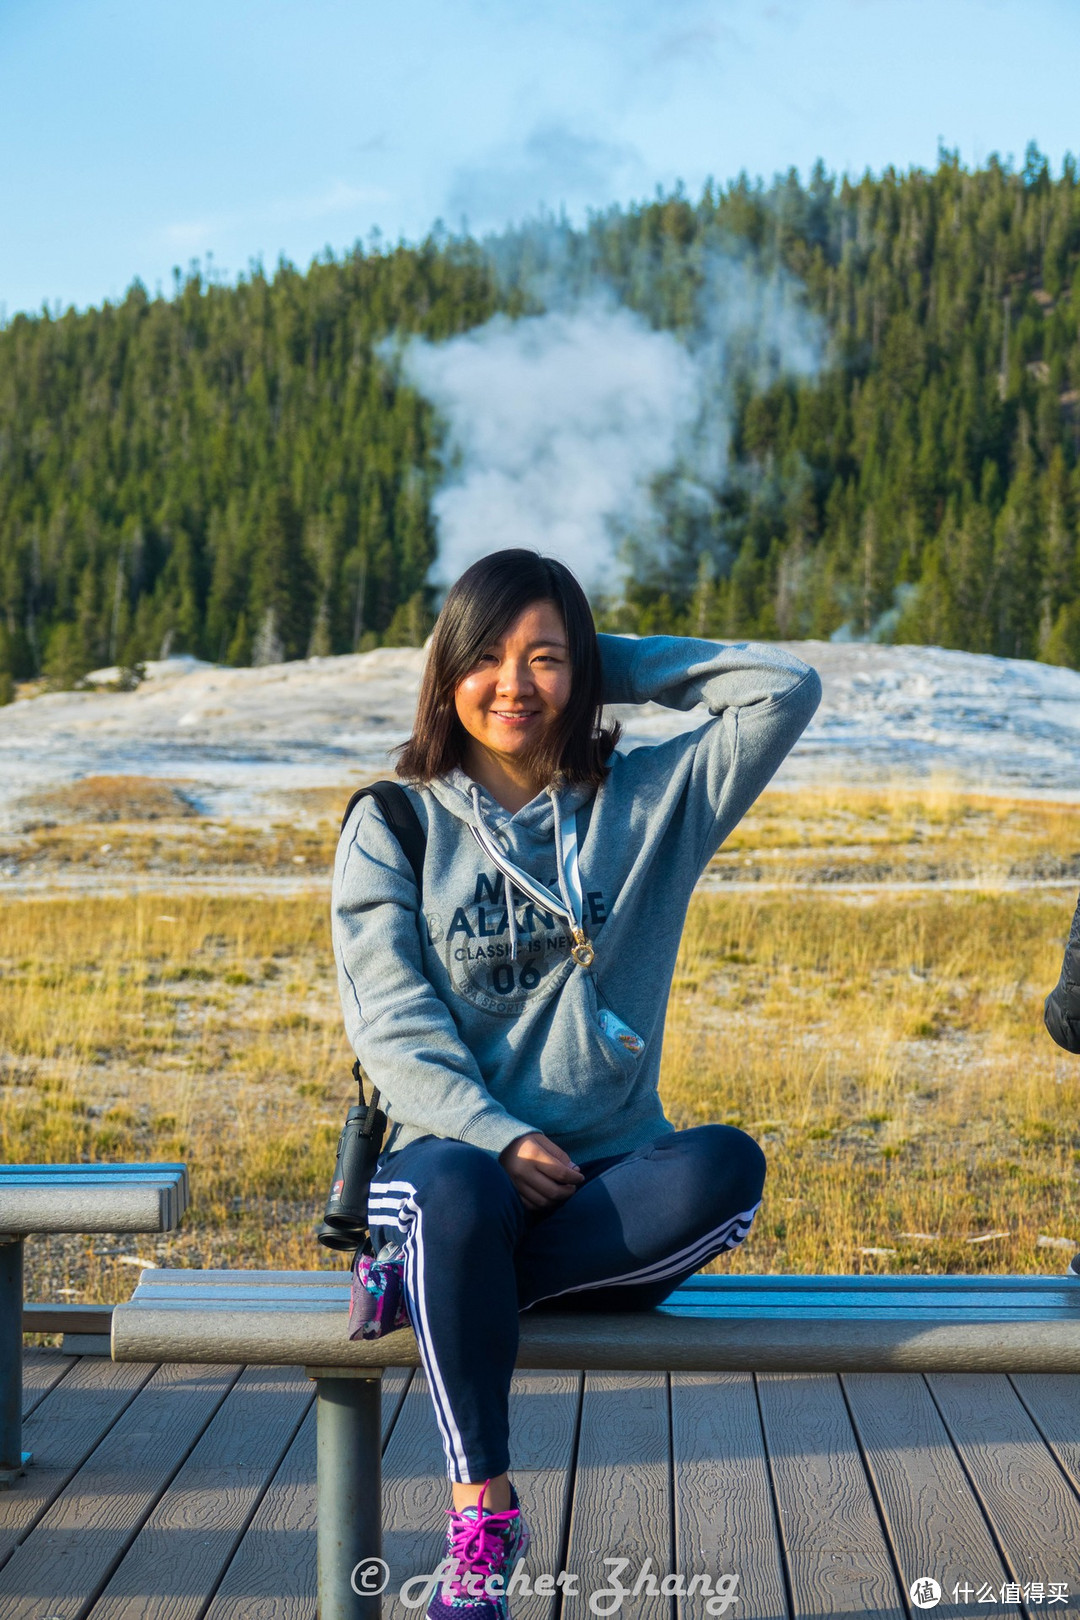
column 519, row 685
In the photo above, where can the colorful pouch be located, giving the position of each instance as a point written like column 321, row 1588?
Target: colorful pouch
column 618, row 1033
column 378, row 1304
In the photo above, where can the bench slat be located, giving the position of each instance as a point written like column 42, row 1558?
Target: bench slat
column 222, row 1302
column 141, row 1207
column 92, row 1197
column 1020, row 1283
column 1055, row 1301
column 1021, row 1324
column 14, row 1175
column 649, row 1341
column 932, row 1311
column 136, row 1167
column 780, row 1282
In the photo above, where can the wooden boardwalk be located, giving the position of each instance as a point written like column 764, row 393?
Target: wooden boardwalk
column 183, row 1492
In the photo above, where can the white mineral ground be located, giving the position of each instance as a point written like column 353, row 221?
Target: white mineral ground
column 241, row 741
column 239, row 736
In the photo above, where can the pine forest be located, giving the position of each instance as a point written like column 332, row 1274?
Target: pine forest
column 239, row 471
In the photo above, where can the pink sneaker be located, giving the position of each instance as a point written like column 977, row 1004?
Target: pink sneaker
column 484, row 1547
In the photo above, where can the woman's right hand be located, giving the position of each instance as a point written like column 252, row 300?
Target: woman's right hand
column 542, row 1173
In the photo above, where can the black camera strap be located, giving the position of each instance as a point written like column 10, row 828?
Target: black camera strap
column 400, row 817
column 345, row 1223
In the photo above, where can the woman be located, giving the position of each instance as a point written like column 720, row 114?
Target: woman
column 512, row 1016
column 1061, row 1012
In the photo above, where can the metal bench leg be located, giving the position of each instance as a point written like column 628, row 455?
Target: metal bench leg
column 349, row 1492
column 13, row 1459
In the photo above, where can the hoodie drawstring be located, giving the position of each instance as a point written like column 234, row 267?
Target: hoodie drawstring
column 569, row 907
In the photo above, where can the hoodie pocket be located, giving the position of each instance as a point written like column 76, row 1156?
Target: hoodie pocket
column 620, row 1043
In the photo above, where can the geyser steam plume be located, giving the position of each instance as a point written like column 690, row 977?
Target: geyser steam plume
column 559, row 426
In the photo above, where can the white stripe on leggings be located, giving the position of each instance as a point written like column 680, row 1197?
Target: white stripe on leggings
column 414, row 1285
column 406, row 1217
column 382, row 1199
column 716, row 1241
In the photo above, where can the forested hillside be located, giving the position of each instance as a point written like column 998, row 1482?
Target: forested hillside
column 238, row 472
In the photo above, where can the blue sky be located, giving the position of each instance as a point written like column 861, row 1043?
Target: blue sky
column 139, row 134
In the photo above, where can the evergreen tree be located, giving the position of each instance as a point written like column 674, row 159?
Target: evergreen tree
column 238, row 472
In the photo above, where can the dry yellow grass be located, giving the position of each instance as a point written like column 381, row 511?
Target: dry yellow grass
column 901, row 834
column 199, row 1029
column 888, row 1051
column 886, row 1048
column 103, row 799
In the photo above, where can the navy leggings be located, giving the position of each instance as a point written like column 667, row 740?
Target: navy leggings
column 474, row 1256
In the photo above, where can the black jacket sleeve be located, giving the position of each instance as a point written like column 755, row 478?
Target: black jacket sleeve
column 1062, row 1012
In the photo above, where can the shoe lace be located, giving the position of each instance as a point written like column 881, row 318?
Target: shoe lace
column 478, row 1546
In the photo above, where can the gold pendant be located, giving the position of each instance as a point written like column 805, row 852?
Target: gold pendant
column 581, row 950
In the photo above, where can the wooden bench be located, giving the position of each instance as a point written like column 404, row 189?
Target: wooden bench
column 711, row 1323
column 42, row 1198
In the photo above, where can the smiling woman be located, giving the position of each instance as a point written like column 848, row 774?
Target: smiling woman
column 509, row 703
column 491, row 631
column 511, row 1006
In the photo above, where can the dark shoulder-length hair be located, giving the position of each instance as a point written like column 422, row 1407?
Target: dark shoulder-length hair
column 479, row 609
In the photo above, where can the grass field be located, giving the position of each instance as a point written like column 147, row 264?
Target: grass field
column 884, row 1044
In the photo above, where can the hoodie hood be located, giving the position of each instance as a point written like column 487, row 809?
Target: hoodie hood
column 455, row 792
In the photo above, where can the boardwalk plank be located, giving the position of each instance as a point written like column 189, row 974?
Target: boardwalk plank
column 72, row 1551
column 622, row 1490
column 42, row 1371
column 932, row 1518
column 837, row 1558
column 1027, row 1499
column 1053, row 1399
column 62, row 1431
column 273, row 1575
column 395, row 1387
column 180, row 1553
column 724, row 1516
column 414, row 1496
column 543, row 1431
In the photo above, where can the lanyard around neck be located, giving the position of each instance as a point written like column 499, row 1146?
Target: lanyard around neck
column 566, row 852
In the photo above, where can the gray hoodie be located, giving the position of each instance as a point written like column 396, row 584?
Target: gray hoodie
column 471, row 1033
